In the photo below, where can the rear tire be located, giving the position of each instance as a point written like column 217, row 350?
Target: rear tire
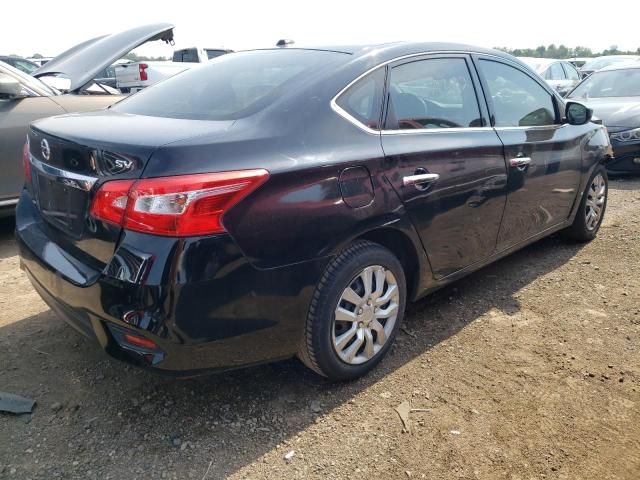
column 355, row 312
column 592, row 207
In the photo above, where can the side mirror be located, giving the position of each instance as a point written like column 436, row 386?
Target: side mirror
column 577, row 113
column 10, row 87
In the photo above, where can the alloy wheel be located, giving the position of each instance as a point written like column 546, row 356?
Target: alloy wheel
column 596, row 196
column 365, row 315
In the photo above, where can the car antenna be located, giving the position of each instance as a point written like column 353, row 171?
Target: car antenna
column 284, row 42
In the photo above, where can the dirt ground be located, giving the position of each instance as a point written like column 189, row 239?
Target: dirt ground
column 527, row 369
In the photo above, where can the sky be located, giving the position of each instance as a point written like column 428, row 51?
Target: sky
column 49, row 28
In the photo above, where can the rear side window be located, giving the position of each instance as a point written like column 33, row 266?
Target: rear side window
column 433, row 93
column 232, row 86
column 572, row 73
column 363, row 100
column 555, row 72
column 518, row 100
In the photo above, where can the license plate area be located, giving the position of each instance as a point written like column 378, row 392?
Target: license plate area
column 61, row 203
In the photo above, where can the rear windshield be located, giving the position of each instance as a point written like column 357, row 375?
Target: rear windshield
column 609, row 83
column 232, row 86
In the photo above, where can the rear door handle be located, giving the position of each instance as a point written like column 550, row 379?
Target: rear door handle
column 420, row 179
column 520, row 162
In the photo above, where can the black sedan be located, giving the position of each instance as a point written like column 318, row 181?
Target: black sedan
column 614, row 95
column 289, row 201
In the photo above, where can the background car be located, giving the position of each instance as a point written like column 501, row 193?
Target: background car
column 560, row 74
column 578, row 61
column 40, row 61
column 20, row 63
column 290, row 201
column 25, row 98
column 600, row 62
column 614, row 95
column 108, row 75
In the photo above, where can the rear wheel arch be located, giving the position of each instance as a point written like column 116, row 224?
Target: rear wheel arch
column 404, row 249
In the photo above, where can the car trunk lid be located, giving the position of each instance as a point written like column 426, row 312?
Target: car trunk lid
column 72, row 156
column 82, row 63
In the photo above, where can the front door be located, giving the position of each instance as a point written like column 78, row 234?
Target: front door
column 444, row 160
column 542, row 154
column 15, row 116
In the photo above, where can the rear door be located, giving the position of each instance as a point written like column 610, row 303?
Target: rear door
column 444, row 159
column 543, row 154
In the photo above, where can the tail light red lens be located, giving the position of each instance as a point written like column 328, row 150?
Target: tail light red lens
column 180, row 206
column 111, row 200
column 25, row 162
column 141, row 342
column 142, row 68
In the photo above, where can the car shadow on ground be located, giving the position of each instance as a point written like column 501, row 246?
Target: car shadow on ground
column 235, row 417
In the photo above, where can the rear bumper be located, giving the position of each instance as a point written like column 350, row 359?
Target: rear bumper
column 202, row 303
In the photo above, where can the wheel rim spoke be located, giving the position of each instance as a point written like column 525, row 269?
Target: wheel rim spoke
column 352, row 297
column 344, row 339
column 386, row 298
column 381, row 335
column 352, row 350
column 387, row 312
column 369, row 350
column 367, row 280
column 344, row 315
column 380, row 276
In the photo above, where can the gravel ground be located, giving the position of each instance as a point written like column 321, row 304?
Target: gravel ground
column 527, row 369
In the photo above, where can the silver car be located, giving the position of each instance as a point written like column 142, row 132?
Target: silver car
column 560, row 74
column 25, row 98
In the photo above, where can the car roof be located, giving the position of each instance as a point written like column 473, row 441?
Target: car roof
column 389, row 51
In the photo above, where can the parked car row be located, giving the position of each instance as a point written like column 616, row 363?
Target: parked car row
column 560, row 74
column 614, row 95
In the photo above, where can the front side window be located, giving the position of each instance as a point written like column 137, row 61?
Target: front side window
column 363, row 100
column 433, row 93
column 518, row 100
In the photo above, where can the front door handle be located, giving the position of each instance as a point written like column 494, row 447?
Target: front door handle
column 420, row 180
column 520, row 162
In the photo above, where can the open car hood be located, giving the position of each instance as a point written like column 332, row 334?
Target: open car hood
column 82, row 63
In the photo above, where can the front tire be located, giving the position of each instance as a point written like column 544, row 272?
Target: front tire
column 592, row 207
column 355, row 312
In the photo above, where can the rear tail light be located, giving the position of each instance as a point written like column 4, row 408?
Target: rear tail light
column 25, row 162
column 139, row 341
column 181, row 206
column 142, row 68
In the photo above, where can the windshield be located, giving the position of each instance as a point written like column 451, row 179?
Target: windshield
column 599, row 63
column 610, row 83
column 231, row 86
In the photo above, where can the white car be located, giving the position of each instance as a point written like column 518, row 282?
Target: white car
column 560, row 74
column 135, row 76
